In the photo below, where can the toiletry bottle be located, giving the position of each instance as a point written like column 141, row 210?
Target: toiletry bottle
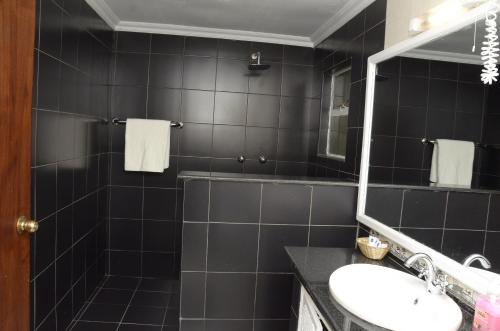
column 487, row 315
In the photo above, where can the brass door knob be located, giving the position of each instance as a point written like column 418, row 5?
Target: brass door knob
column 26, row 225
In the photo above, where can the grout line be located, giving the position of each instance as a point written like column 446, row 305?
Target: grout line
column 276, row 224
column 457, row 86
column 85, row 306
column 397, row 119
column 54, row 310
column 487, row 224
column 444, row 221
column 282, row 65
column 88, row 195
column 166, row 311
column 427, row 114
column 55, row 239
column 111, row 112
column 138, row 251
column 240, row 272
column 447, row 229
column 206, row 248
column 128, row 305
column 257, row 260
column 213, row 125
column 182, row 246
column 311, row 194
column 403, row 193
column 35, row 277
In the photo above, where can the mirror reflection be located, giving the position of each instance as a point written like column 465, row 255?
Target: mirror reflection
column 335, row 113
column 435, row 150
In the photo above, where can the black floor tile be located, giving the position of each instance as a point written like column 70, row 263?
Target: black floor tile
column 139, row 327
column 120, row 282
column 147, row 310
column 113, row 296
column 175, row 286
column 156, row 299
column 175, row 301
column 160, row 285
column 171, row 318
column 97, row 312
column 93, row 326
column 144, row 315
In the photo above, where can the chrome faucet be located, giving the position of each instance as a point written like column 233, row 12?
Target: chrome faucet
column 436, row 282
column 477, row 257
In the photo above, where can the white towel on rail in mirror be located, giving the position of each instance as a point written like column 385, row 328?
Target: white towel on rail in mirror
column 452, row 163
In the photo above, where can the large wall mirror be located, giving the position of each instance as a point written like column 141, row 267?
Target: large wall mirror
column 431, row 158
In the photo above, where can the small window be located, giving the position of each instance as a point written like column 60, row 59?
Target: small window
column 335, row 113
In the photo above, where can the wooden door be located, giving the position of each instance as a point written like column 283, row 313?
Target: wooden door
column 17, row 34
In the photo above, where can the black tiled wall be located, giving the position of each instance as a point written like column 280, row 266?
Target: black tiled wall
column 423, row 99
column 490, row 165
column 352, row 44
column 227, row 111
column 452, row 222
column 69, row 159
column 234, row 266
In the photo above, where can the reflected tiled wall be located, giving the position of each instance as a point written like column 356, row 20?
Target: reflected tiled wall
column 69, row 159
column 490, row 165
column 452, row 222
column 234, row 266
column 227, row 111
column 352, row 44
column 423, row 99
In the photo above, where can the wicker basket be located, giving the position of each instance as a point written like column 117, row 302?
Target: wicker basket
column 373, row 253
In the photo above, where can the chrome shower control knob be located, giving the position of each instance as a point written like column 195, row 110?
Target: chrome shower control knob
column 241, row 159
column 262, row 159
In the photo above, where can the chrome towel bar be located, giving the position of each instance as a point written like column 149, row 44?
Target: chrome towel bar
column 117, row 121
column 426, row 141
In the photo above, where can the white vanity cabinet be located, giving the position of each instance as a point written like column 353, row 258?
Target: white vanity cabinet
column 309, row 318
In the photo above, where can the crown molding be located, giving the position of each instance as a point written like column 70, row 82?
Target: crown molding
column 105, row 12
column 193, row 31
column 443, row 56
column 344, row 15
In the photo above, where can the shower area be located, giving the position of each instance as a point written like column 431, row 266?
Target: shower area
column 107, row 255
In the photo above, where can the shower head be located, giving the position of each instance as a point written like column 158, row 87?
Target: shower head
column 255, row 63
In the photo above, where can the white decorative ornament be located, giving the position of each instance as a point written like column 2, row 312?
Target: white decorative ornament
column 489, row 50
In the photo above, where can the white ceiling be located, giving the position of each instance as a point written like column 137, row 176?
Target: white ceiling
column 294, row 22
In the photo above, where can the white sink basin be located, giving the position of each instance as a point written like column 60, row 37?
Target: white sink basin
column 490, row 277
column 393, row 299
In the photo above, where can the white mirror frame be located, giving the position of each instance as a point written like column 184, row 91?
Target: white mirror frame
column 449, row 266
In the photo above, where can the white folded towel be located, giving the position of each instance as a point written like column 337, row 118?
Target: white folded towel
column 147, row 145
column 452, row 162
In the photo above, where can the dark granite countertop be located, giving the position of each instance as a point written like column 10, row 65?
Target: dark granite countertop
column 313, row 267
column 225, row 176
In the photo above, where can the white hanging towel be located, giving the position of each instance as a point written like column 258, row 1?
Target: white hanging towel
column 147, row 145
column 452, row 162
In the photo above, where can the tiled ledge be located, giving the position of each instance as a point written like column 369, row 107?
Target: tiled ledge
column 223, row 176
